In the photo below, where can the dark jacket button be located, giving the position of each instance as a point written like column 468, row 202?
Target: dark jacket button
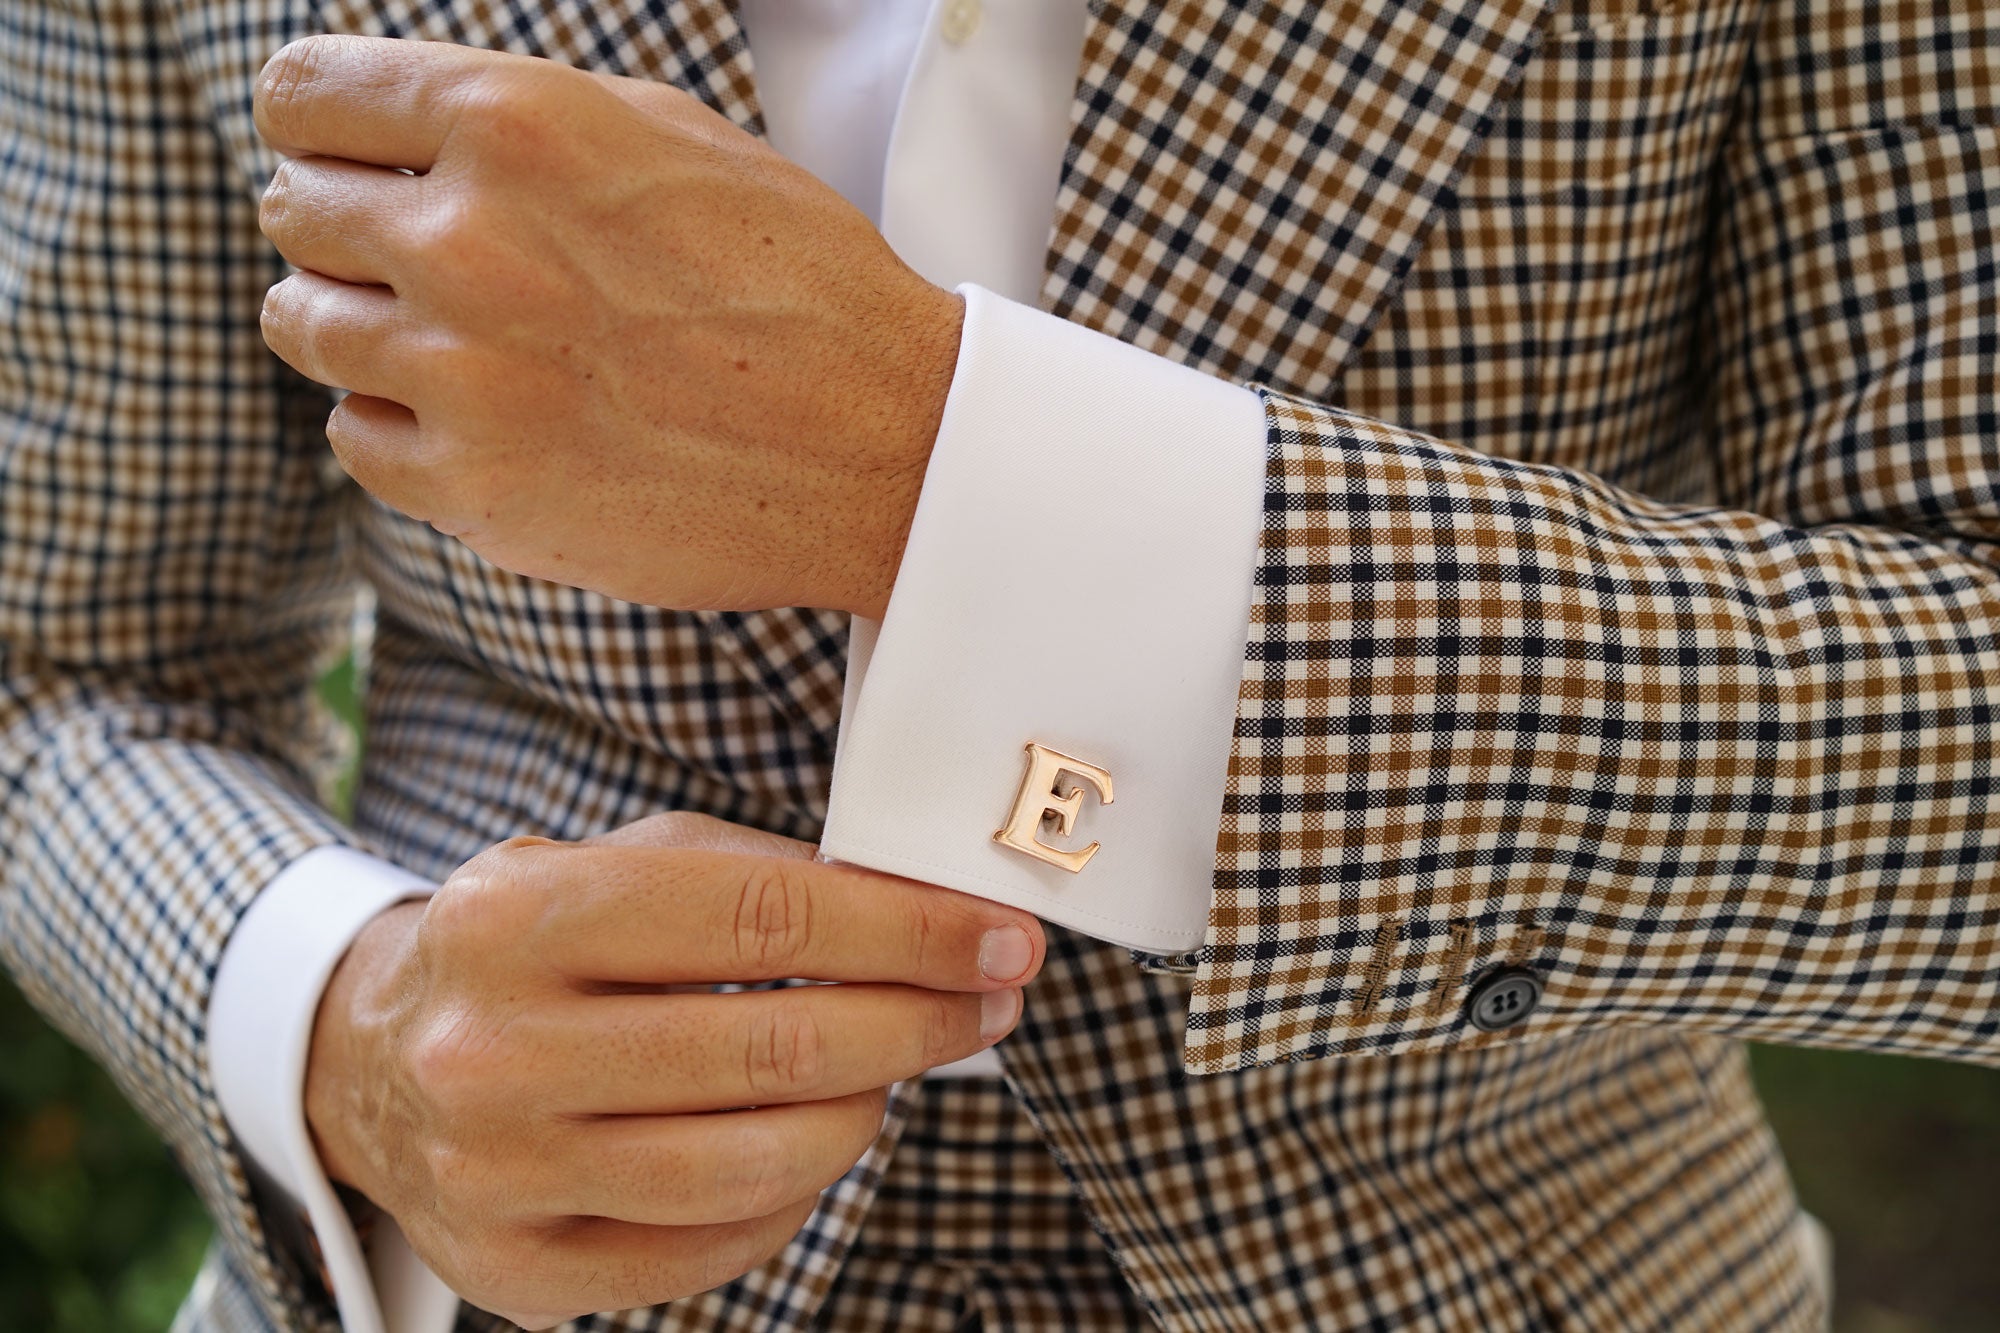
column 1502, row 998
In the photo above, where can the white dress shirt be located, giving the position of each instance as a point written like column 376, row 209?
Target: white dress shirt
column 1078, row 573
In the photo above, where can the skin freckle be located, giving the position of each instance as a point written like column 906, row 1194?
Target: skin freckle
column 743, row 365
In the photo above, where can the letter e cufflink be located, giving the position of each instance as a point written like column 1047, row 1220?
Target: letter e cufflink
column 1042, row 800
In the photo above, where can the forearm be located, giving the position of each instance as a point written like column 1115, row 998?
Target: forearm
column 129, row 850
column 173, row 577
column 1689, row 766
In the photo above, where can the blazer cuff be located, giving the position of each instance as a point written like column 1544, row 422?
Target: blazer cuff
column 1078, row 576
column 260, row 1022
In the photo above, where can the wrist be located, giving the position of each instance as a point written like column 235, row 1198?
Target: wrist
column 926, row 357
column 356, row 1019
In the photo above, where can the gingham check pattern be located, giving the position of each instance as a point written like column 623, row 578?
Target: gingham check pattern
column 977, row 1227
column 1725, row 764
column 1710, row 773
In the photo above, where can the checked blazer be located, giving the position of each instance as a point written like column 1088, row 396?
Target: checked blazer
column 1625, row 612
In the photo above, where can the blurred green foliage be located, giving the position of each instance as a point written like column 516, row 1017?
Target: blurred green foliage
column 1899, row 1157
column 97, row 1232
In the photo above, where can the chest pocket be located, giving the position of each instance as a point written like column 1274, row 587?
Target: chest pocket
column 1622, row 93
column 1551, row 316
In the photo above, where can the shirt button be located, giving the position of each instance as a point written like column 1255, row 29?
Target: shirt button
column 960, row 21
column 1503, row 998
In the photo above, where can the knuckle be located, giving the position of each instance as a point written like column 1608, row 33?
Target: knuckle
column 679, row 828
column 288, row 73
column 458, row 1064
column 446, row 238
column 324, row 343
column 320, row 348
column 393, row 466
column 773, row 925
column 484, row 288
column 347, row 437
column 283, row 304
column 455, row 913
column 438, row 466
column 497, row 896
column 471, row 400
column 469, row 264
column 296, row 327
column 275, row 202
column 446, row 355
column 786, row 1053
column 517, row 850
column 504, row 1268
column 271, row 324
column 457, row 933
column 452, row 1171
column 511, row 109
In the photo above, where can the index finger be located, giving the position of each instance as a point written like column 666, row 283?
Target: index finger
column 678, row 916
column 381, row 100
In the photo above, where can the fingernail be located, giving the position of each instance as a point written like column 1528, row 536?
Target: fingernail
column 1005, row 953
column 997, row 1012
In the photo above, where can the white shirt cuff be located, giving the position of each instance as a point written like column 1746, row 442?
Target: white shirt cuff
column 1078, row 575
column 260, row 1022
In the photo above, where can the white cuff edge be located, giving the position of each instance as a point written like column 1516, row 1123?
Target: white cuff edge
column 261, row 1009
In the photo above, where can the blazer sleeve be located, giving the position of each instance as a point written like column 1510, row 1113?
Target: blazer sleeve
column 1727, row 768
column 172, row 579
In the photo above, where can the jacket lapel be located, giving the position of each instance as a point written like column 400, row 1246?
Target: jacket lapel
column 1246, row 184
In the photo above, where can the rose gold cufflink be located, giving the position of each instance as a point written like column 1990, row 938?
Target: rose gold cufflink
column 1042, row 800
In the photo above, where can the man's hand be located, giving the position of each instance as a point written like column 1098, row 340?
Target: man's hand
column 601, row 335
column 529, row 1074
